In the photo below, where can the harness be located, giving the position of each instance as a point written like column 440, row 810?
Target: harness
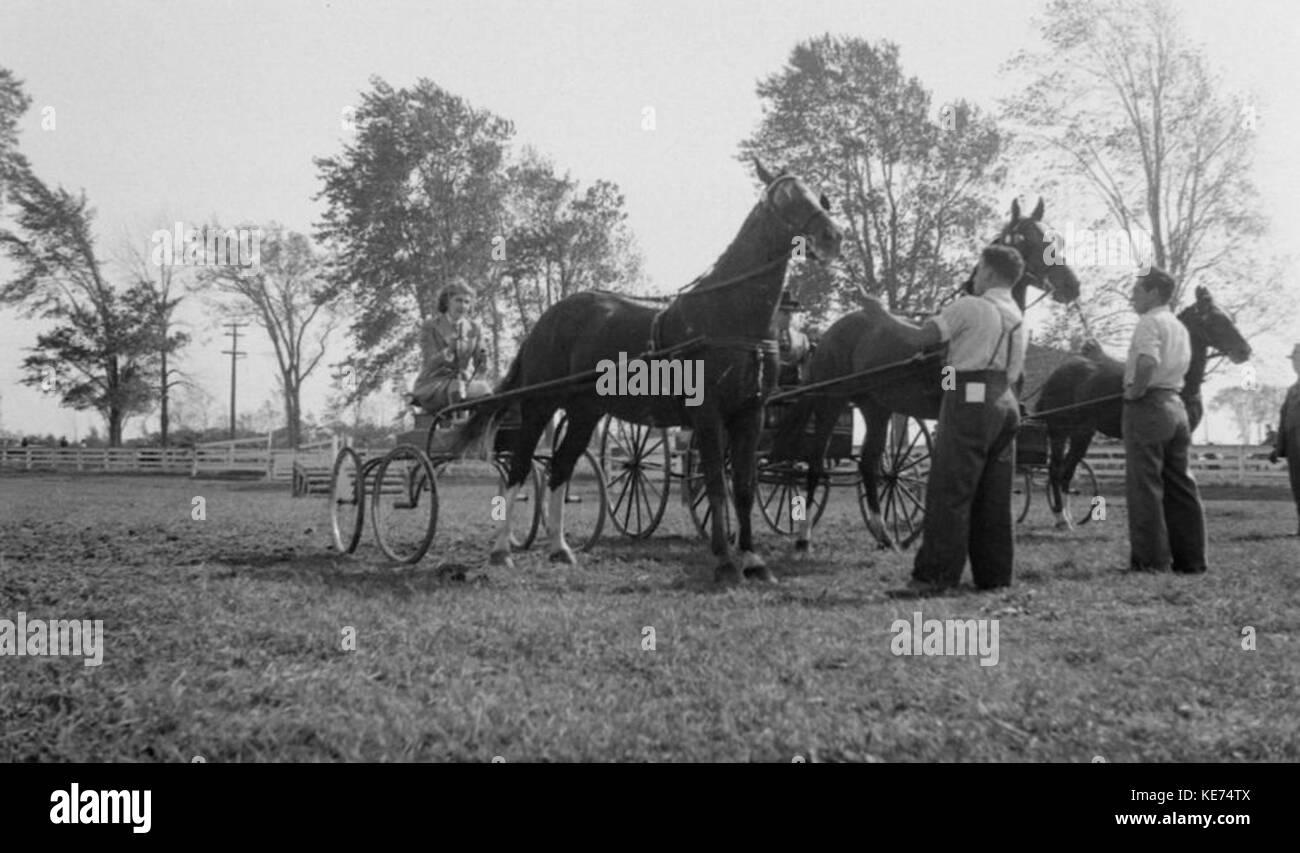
column 759, row 348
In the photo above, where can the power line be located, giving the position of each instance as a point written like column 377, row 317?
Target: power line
column 235, row 354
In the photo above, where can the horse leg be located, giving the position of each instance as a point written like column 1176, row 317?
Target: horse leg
column 710, row 442
column 873, row 449
column 1079, row 441
column 1056, row 442
column 744, row 431
column 582, row 422
column 534, row 420
column 824, row 416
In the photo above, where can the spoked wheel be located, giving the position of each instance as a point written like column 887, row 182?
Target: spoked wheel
column 1083, row 488
column 779, row 483
column 527, row 517
column 404, row 504
column 697, row 495
column 1022, row 491
column 638, row 462
column 904, row 468
column 347, row 501
column 585, row 503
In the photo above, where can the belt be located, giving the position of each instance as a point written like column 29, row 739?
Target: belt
column 1151, row 392
column 981, row 375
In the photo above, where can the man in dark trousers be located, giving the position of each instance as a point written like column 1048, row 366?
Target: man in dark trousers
column 1166, row 522
column 791, row 343
column 1286, row 443
column 968, row 494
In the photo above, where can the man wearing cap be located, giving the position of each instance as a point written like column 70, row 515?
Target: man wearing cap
column 1286, row 443
column 1166, row 521
column 968, row 494
column 792, row 343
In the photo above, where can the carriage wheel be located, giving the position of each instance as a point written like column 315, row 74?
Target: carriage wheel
column 638, row 461
column 904, row 468
column 1083, row 485
column 585, row 503
column 697, row 496
column 524, row 530
column 1022, row 491
column 404, row 506
column 347, row 500
column 779, row 483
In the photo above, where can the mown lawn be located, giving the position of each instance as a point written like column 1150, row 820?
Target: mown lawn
column 223, row 639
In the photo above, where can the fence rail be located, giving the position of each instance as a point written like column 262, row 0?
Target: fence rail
column 1211, row 463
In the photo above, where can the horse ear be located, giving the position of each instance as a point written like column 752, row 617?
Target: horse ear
column 1203, row 296
column 826, row 203
column 1037, row 215
column 763, row 174
column 1015, row 210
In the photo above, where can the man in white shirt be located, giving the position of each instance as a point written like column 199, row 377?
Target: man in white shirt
column 1165, row 517
column 968, row 494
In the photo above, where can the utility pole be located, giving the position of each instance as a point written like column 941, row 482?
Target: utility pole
column 235, row 354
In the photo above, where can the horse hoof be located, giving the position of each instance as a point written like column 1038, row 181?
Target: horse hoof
column 760, row 573
column 501, row 558
column 516, row 545
column 802, row 548
column 726, row 575
column 563, row 556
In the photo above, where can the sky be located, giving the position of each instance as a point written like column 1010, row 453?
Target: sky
column 195, row 111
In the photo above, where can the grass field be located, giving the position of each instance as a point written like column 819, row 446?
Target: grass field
column 224, row 639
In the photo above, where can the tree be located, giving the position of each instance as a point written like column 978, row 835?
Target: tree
column 103, row 343
column 159, row 286
column 1250, row 407
column 561, row 240
column 912, row 192
column 287, row 295
column 1121, row 97
column 412, row 205
column 13, row 103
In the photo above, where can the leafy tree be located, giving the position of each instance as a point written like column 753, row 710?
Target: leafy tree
column 1250, row 408
column 412, row 205
column 103, row 344
column 13, row 103
column 912, row 191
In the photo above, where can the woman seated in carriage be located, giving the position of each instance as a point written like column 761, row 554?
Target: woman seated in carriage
column 454, row 355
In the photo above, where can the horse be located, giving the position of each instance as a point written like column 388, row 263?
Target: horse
column 1095, row 375
column 730, row 314
column 872, row 337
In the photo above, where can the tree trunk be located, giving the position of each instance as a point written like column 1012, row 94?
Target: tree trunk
column 163, row 397
column 114, row 427
column 292, row 418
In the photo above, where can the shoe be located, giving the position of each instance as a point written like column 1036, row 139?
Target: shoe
column 1199, row 570
column 920, row 589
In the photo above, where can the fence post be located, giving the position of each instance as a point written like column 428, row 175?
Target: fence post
column 1241, row 465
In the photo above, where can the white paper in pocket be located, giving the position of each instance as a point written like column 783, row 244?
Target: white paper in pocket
column 974, row 392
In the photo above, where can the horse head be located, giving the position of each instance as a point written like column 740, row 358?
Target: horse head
column 1040, row 246
column 1207, row 321
column 796, row 213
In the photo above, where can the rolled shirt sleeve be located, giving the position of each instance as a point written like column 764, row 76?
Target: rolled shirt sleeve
column 1146, row 340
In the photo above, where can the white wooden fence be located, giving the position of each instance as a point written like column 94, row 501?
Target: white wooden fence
column 1211, row 463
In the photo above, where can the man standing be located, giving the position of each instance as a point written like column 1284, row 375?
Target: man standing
column 792, row 344
column 968, row 494
column 1287, row 441
column 1166, row 522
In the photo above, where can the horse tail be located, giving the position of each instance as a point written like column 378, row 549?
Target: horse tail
column 486, row 415
column 790, row 428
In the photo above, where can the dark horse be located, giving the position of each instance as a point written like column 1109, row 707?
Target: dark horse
column 731, row 309
column 1089, row 378
column 873, row 337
